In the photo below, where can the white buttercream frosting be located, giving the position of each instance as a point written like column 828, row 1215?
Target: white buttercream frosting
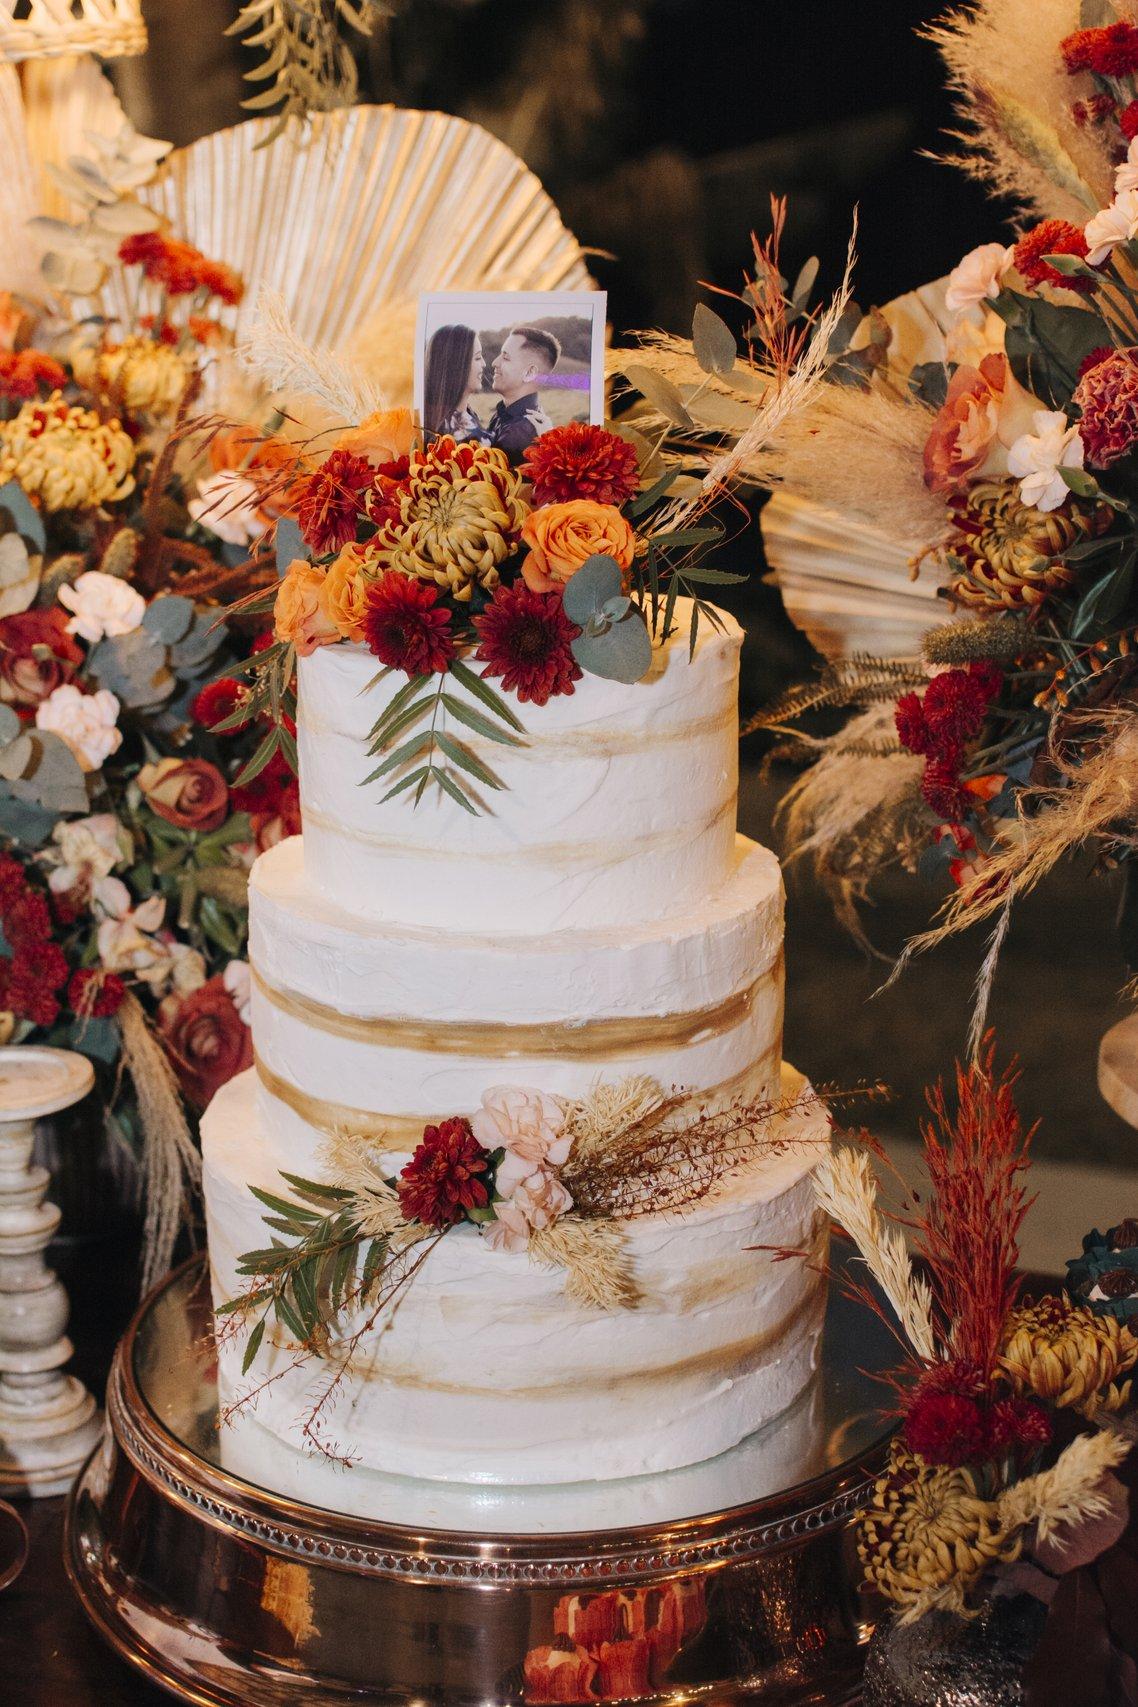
column 620, row 806
column 486, row 1372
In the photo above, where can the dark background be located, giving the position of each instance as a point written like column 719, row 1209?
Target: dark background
column 661, row 128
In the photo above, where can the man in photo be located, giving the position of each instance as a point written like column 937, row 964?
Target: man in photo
column 526, row 354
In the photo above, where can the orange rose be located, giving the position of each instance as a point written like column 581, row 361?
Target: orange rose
column 984, row 412
column 343, row 596
column 382, row 437
column 276, row 467
column 562, row 536
column 190, row 793
column 299, row 613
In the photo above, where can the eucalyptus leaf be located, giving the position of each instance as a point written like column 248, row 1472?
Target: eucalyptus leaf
column 194, row 651
column 623, row 653
column 804, row 283
column 713, row 341
column 597, row 580
column 54, row 778
column 16, row 756
column 289, row 545
column 133, row 666
column 26, row 519
column 169, row 617
column 10, row 724
column 19, row 576
column 22, row 818
column 659, row 392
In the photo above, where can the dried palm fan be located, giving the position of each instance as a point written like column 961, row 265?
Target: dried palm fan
column 846, row 583
column 48, row 109
column 351, row 218
column 50, row 29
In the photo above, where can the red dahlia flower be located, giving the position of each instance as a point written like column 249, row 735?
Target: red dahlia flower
column 24, row 372
column 946, row 1428
column 1110, row 51
column 1128, row 121
column 330, row 501
column 581, row 461
column 1017, row 1423
column 94, row 994
column 1107, row 394
column 217, row 701
column 951, row 712
column 406, row 627
column 525, row 638
column 178, row 267
column 1051, row 237
column 943, row 791
column 443, row 1178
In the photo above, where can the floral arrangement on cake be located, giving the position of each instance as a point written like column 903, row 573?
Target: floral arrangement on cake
column 486, row 585
column 1009, row 464
column 552, row 1178
column 1013, row 1415
column 128, row 827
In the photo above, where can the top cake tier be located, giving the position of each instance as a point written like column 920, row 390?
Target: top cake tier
column 618, row 808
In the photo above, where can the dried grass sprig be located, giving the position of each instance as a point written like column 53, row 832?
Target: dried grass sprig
column 1071, row 1492
column 858, row 680
column 288, row 365
column 1014, row 99
column 1094, row 800
column 677, row 1154
column 845, row 1188
column 977, row 1153
column 853, row 813
column 598, row 1123
column 356, row 1167
column 171, row 1165
column 596, row 1260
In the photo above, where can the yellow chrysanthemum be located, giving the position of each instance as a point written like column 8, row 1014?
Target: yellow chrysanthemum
column 66, row 456
column 1012, row 554
column 1068, row 1356
column 926, row 1532
column 138, row 375
column 460, row 514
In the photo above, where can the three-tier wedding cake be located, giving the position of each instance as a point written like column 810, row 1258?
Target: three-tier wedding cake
column 603, row 923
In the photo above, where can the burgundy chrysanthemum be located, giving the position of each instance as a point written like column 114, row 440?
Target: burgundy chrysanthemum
column 1128, row 121
column 581, row 461
column 1051, row 237
column 525, row 638
column 217, row 701
column 942, row 790
column 1110, row 51
column 406, row 627
column 1097, row 355
column 444, row 1178
column 95, row 994
column 1017, row 1424
column 951, row 712
column 1108, row 396
column 330, row 501
column 946, row 1428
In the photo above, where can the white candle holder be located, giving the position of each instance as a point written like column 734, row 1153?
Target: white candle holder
column 49, row 1423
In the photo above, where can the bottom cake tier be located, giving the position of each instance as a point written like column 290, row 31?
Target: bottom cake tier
column 485, row 1372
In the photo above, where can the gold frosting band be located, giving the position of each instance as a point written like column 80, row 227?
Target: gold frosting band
column 596, row 1039
column 553, row 854
column 570, row 743
column 392, row 1131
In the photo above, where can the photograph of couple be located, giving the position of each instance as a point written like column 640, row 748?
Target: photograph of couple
column 501, row 369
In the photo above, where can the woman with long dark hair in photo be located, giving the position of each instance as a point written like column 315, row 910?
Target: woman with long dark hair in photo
column 455, row 373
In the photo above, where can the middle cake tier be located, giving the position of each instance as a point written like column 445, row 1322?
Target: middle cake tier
column 378, row 1028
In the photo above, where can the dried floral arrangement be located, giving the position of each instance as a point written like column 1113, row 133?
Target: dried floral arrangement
column 127, row 826
column 979, row 1497
column 1006, row 464
column 306, row 63
column 553, row 1178
column 482, row 583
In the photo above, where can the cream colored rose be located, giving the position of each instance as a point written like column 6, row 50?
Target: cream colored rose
column 977, row 278
column 228, row 505
column 86, row 721
column 529, row 1125
column 104, row 605
column 535, row 1204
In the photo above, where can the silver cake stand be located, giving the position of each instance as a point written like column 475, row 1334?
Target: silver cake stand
column 731, row 1581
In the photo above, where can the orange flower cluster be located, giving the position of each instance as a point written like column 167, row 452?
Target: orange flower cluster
column 179, row 268
column 25, row 372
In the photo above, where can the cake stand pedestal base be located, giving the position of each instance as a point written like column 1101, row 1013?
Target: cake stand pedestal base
column 229, row 1594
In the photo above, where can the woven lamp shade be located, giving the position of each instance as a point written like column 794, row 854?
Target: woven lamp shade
column 46, row 29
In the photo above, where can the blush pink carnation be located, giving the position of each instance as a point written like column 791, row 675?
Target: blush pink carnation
column 529, row 1125
column 1107, row 394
